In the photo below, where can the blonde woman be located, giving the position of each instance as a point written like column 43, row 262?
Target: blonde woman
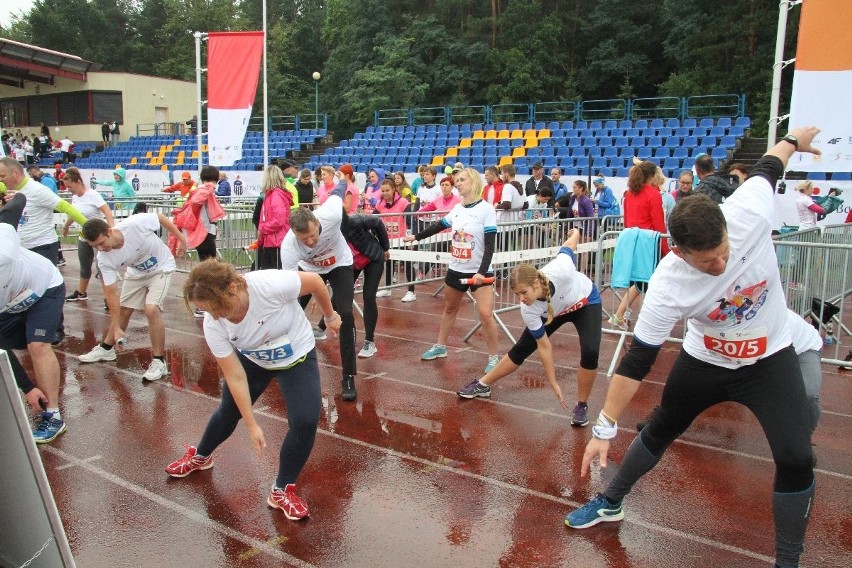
column 473, row 224
column 805, row 206
column 551, row 297
column 92, row 205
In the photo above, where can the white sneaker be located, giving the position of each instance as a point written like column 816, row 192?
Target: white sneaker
column 98, row 354
column 368, row 350
column 156, row 371
column 383, row 294
column 409, row 296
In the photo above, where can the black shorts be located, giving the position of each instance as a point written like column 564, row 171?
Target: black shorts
column 453, row 280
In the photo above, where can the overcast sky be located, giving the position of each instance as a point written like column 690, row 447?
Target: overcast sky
column 13, row 6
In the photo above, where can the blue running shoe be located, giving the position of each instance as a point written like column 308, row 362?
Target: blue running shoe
column 435, row 352
column 492, row 362
column 474, row 389
column 48, row 428
column 598, row 510
column 580, row 415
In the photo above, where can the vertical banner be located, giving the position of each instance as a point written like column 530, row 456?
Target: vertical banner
column 822, row 83
column 233, row 69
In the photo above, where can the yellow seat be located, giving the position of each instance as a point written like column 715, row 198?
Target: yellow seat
column 531, row 134
column 452, row 152
column 149, row 154
column 176, row 142
column 194, row 155
column 504, row 161
column 491, row 135
column 204, row 148
column 464, row 143
column 437, row 161
column 179, row 161
column 164, row 167
column 478, row 135
column 530, row 142
column 503, row 134
column 133, row 161
column 544, row 133
column 518, row 152
column 517, row 133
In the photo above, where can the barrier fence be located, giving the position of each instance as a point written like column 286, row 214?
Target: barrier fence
column 815, row 264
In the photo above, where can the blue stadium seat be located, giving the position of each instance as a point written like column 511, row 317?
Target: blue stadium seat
column 604, row 141
column 642, row 123
column 816, row 176
column 581, row 124
column 627, row 152
column 637, row 141
column 610, row 124
column 622, row 172
column 625, row 124
column 671, row 164
column 643, row 153
column 631, row 132
column 736, row 131
column 648, row 132
column 700, row 131
column 709, row 142
column 724, row 122
column 553, row 126
column 665, row 132
column 611, row 152
column 655, row 141
column 662, row 152
column 706, row 123
column 743, row 122
column 621, row 141
column 719, row 153
column 690, row 142
column 567, row 124
column 673, row 142
column 616, row 132
column 689, row 123
column 673, row 123
column 581, row 162
column 657, row 123
column 841, row 176
column 728, row 142
column 718, row 131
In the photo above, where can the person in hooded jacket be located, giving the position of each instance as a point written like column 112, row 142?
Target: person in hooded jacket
column 716, row 186
column 223, row 188
column 368, row 239
column 373, row 191
column 121, row 189
column 273, row 219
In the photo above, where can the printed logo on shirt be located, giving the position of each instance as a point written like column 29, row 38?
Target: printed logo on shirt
column 462, row 248
column 146, row 265
column 740, row 303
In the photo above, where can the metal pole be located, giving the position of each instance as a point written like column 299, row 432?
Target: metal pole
column 777, row 67
column 265, row 96
column 198, row 121
column 316, row 75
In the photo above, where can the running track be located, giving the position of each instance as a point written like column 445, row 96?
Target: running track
column 411, row 475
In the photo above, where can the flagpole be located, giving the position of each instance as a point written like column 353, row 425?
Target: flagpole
column 265, row 100
column 198, row 101
column 781, row 33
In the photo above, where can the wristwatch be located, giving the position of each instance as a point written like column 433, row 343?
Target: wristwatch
column 792, row 140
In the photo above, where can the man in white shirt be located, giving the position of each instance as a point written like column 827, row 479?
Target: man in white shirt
column 737, row 348
column 134, row 244
column 30, row 291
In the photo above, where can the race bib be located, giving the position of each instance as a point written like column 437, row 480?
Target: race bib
column 573, row 308
column 146, row 265
column 737, row 345
column 273, row 354
column 21, row 302
column 462, row 248
column 324, row 261
column 392, row 227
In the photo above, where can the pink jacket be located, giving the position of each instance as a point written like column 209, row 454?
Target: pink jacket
column 188, row 217
column 274, row 217
column 395, row 225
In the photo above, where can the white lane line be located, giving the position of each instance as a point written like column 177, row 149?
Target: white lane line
column 87, row 460
column 534, row 411
column 178, row 508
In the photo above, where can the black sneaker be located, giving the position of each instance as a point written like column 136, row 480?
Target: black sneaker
column 77, row 296
column 349, row 393
column 644, row 422
column 848, row 359
column 60, row 262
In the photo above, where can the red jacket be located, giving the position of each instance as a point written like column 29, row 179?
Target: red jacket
column 645, row 210
column 274, row 217
column 188, row 217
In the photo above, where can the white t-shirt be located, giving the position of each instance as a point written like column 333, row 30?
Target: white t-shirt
column 65, row 145
column 516, row 200
column 428, row 194
column 274, row 332
column 571, row 290
column 89, row 205
column 36, row 226
column 24, row 275
column 469, row 225
column 331, row 249
column 805, row 337
column 807, row 218
column 735, row 318
column 536, row 210
column 143, row 252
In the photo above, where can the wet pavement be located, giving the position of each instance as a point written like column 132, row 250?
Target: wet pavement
column 411, row 475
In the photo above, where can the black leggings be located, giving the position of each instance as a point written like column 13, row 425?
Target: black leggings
column 587, row 320
column 300, row 386
column 372, row 276
column 342, row 280
column 409, row 273
column 772, row 389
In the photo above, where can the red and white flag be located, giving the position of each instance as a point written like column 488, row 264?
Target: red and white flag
column 822, row 83
column 233, row 68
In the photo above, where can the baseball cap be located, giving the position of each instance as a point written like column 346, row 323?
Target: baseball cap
column 286, row 164
column 537, row 166
column 185, row 175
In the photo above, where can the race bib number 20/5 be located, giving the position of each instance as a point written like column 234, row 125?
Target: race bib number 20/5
column 737, row 345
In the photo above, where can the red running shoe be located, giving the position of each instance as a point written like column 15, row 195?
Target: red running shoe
column 188, row 463
column 294, row 507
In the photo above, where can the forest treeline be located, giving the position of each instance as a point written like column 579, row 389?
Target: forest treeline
column 376, row 54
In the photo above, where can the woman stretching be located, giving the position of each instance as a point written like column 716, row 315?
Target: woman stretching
column 550, row 297
column 257, row 331
column 474, row 231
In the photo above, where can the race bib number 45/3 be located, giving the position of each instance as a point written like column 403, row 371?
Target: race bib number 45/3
column 737, row 345
column 271, row 355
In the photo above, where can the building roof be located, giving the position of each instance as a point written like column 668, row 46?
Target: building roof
column 21, row 62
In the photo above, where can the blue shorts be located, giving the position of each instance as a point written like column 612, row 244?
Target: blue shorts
column 38, row 324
